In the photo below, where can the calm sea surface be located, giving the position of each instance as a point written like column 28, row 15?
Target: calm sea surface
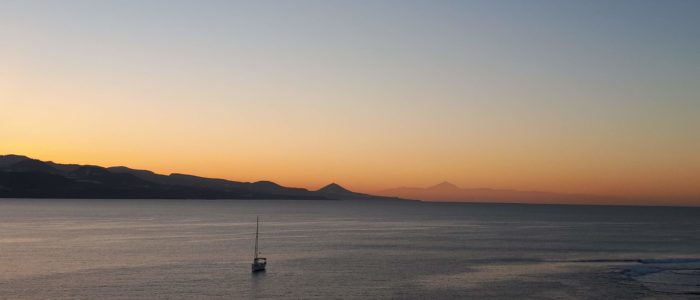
column 200, row 249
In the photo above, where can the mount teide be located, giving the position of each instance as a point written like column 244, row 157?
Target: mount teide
column 447, row 191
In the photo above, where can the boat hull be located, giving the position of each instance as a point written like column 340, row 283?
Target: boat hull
column 257, row 267
column 258, row 264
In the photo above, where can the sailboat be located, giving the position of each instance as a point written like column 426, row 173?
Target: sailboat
column 259, row 263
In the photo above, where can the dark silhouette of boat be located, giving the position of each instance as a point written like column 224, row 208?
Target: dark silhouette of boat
column 259, row 263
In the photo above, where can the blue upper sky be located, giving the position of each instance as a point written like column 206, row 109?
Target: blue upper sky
column 598, row 87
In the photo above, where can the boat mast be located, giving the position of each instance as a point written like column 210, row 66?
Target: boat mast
column 257, row 224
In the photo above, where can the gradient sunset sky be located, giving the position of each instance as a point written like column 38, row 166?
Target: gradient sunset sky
column 597, row 97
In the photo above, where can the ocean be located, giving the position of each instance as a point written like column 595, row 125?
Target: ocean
column 202, row 249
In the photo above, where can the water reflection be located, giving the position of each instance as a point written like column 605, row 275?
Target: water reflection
column 257, row 282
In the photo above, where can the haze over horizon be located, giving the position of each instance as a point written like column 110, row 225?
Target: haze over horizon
column 30, row 171
column 593, row 97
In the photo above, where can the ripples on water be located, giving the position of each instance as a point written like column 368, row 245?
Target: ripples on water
column 189, row 249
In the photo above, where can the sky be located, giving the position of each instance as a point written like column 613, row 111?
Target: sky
column 598, row 97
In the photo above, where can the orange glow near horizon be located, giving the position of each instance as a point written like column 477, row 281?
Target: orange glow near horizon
column 359, row 99
column 367, row 151
column 365, row 178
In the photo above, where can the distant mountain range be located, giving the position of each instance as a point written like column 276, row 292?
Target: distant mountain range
column 24, row 177
column 446, row 191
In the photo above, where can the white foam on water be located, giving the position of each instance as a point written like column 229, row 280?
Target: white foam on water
column 674, row 276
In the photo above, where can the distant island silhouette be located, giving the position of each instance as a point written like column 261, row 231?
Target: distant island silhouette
column 24, row 177
column 447, row 191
